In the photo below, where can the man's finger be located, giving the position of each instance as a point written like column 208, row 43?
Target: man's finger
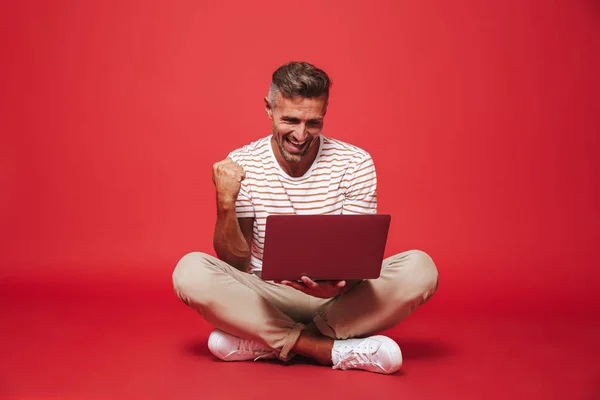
column 340, row 284
column 309, row 282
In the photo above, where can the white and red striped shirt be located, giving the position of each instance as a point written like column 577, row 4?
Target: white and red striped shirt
column 341, row 180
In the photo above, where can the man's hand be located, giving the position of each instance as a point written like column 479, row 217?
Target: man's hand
column 322, row 289
column 228, row 176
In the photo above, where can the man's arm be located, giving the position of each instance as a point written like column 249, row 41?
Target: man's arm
column 232, row 236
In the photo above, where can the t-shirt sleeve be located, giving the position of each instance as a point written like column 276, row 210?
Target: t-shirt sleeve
column 361, row 195
column 244, row 207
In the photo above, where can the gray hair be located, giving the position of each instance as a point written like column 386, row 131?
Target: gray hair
column 298, row 79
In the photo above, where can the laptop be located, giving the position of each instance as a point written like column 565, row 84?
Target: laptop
column 324, row 247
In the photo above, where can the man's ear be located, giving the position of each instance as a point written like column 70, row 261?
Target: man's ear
column 268, row 108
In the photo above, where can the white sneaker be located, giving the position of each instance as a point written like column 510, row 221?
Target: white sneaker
column 375, row 354
column 232, row 348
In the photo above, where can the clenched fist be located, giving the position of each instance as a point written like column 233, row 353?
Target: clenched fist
column 228, row 176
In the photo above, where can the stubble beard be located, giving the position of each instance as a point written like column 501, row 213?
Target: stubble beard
column 293, row 158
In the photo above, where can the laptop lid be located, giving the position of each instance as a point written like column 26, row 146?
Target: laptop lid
column 324, row 247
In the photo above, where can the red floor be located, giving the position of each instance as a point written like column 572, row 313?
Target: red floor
column 80, row 341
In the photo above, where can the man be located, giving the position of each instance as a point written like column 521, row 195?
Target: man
column 297, row 170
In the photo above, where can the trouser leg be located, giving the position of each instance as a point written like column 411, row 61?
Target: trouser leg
column 242, row 304
column 407, row 281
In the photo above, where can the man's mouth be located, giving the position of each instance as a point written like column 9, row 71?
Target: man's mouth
column 294, row 145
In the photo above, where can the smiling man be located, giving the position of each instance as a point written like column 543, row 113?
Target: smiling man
column 298, row 170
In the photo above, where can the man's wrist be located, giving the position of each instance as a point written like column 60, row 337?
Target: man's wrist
column 225, row 203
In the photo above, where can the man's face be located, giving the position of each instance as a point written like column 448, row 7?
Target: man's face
column 297, row 123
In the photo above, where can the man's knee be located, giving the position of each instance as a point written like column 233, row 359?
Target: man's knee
column 428, row 272
column 422, row 278
column 424, row 267
column 189, row 273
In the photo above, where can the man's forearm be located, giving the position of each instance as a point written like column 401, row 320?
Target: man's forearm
column 228, row 240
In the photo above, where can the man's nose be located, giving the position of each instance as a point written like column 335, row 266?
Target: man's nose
column 301, row 133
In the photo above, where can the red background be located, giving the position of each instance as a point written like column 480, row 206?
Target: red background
column 483, row 121
column 482, row 118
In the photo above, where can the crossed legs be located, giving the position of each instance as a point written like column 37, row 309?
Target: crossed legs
column 291, row 322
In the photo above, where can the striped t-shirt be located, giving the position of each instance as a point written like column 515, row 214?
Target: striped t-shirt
column 341, row 180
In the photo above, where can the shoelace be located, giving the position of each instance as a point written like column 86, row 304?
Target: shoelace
column 251, row 347
column 362, row 354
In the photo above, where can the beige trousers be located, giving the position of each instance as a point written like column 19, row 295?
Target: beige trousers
column 244, row 305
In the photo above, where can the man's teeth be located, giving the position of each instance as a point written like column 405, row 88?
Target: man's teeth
column 297, row 143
